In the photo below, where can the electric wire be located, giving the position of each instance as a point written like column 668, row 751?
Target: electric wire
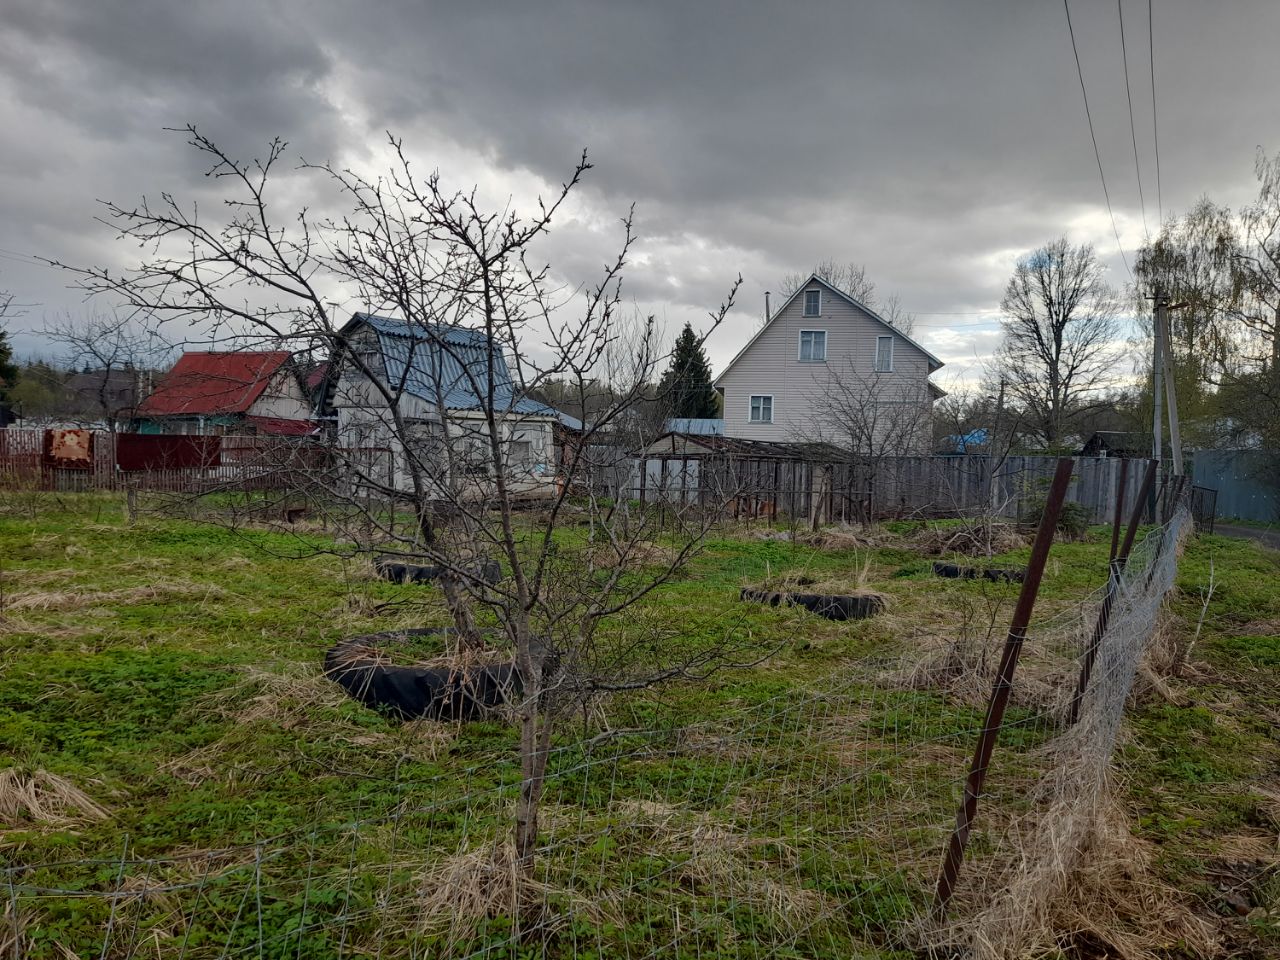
column 1093, row 137
column 1155, row 122
column 1133, row 134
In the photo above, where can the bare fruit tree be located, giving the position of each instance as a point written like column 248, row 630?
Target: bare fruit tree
column 435, row 450
column 112, row 359
column 1059, row 327
column 851, row 278
column 873, row 419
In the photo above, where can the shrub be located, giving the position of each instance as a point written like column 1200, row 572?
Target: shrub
column 1073, row 520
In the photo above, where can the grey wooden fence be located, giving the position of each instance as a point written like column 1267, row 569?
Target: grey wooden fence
column 890, row 487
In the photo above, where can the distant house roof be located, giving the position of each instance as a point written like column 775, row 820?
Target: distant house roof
column 701, row 426
column 207, row 383
column 446, row 365
column 934, row 362
column 316, row 375
column 1118, row 443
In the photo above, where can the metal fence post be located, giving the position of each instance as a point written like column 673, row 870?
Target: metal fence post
column 1115, row 568
column 1003, row 685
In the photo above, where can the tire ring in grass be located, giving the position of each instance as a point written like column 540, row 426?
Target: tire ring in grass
column 831, row 606
column 411, row 693
column 953, row 572
column 393, row 569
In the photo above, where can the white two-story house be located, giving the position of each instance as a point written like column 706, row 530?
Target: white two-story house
column 827, row 368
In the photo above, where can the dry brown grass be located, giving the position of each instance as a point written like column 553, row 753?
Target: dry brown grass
column 964, row 668
column 981, row 538
column 44, row 798
column 643, row 553
column 460, row 891
column 1074, row 879
column 712, row 855
column 79, row 599
column 838, row 539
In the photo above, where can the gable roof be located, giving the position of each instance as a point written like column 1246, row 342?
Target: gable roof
column 204, row 383
column 934, row 362
column 445, row 364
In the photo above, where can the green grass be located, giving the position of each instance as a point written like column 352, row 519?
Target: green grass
column 170, row 669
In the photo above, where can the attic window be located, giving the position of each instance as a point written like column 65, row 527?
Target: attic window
column 884, row 354
column 812, row 303
column 813, row 346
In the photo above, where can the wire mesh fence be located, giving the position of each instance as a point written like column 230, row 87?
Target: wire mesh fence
column 810, row 822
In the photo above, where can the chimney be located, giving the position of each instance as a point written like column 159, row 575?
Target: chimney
column 766, row 306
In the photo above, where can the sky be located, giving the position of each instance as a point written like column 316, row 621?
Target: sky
column 933, row 142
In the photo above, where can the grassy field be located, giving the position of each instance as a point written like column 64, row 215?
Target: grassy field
column 162, row 707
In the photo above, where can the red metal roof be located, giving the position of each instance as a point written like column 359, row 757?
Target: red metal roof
column 205, row 383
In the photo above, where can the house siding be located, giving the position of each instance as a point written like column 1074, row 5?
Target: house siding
column 771, row 365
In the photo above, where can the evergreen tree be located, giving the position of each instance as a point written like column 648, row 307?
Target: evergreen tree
column 685, row 387
column 8, row 378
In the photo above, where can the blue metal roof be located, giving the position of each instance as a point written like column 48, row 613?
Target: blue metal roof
column 446, row 365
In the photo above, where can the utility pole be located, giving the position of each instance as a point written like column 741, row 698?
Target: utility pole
column 1171, row 395
column 1157, row 374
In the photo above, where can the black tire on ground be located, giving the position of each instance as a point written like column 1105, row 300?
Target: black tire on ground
column 832, row 606
column 411, row 693
column 953, row 572
column 391, row 568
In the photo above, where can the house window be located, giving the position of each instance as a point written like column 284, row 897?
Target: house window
column 521, row 453
column 812, row 303
column 762, row 409
column 813, row 346
column 884, row 354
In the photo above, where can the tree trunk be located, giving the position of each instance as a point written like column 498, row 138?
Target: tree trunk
column 535, row 741
column 455, row 596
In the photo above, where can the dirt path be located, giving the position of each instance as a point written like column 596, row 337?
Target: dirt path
column 1267, row 537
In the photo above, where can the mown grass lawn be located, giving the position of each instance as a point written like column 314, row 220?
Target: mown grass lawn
column 170, row 671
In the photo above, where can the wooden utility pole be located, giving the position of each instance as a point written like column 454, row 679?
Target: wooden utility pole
column 1171, row 394
column 1157, row 372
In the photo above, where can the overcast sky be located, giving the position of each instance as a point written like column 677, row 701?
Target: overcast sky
column 934, row 142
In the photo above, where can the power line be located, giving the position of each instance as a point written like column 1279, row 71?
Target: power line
column 1133, row 134
column 1155, row 123
column 1092, row 136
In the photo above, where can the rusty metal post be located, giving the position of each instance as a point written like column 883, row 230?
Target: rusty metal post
column 1114, row 570
column 1119, row 511
column 1004, row 684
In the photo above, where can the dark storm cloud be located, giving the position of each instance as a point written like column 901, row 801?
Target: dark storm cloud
column 932, row 141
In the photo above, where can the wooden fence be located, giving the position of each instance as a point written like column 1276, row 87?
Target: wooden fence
column 833, row 492
column 83, row 460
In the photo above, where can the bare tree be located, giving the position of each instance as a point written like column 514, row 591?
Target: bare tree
column 873, row 418
column 1258, row 267
column 446, row 406
column 852, row 279
column 1060, row 321
column 112, row 359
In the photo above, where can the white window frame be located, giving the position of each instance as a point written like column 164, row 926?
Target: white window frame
column 817, row 312
column 876, row 360
column 751, row 401
column 800, row 348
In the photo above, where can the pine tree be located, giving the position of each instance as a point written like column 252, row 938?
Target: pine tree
column 686, row 385
column 8, row 372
